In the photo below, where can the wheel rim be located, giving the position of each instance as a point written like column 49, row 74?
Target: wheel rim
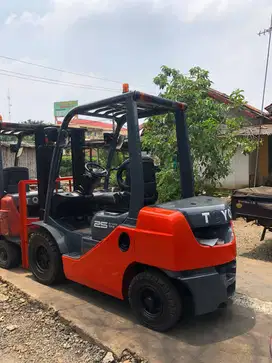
column 42, row 259
column 151, row 303
column 3, row 255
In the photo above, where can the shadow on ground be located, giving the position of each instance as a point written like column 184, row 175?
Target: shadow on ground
column 262, row 252
column 196, row 331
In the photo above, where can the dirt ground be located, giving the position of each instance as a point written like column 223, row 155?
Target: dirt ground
column 248, row 241
column 33, row 334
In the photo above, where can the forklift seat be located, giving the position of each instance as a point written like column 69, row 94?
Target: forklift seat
column 119, row 201
column 12, row 176
column 149, row 175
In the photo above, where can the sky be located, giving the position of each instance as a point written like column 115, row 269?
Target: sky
column 126, row 41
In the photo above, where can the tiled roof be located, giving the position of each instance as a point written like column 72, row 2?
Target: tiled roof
column 266, row 129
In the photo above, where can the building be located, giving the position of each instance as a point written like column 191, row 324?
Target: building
column 243, row 166
column 264, row 176
column 95, row 129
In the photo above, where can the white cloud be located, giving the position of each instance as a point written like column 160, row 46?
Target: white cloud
column 25, row 18
column 11, row 18
column 65, row 13
column 197, row 7
column 229, row 48
column 190, row 10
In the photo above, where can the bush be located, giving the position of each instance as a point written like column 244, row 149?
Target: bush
column 66, row 166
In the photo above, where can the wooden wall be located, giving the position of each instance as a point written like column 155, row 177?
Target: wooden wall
column 27, row 159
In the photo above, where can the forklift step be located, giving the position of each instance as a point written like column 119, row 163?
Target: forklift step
column 88, row 243
column 74, row 255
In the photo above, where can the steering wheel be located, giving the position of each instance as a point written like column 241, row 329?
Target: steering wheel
column 95, row 170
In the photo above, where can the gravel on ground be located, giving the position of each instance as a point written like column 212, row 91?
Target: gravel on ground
column 248, row 241
column 32, row 333
column 255, row 304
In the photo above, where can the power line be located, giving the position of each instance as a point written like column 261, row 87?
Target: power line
column 264, row 32
column 33, row 78
column 60, row 70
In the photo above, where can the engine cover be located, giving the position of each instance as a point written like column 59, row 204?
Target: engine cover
column 201, row 211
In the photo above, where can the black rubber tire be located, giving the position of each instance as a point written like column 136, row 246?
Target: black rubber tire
column 54, row 272
column 10, row 255
column 167, row 293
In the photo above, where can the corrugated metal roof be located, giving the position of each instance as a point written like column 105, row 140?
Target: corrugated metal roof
column 247, row 108
column 269, row 109
column 266, row 129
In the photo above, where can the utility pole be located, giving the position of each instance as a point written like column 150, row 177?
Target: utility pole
column 263, row 32
column 9, row 105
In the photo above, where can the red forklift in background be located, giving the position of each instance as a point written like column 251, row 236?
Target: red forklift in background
column 124, row 243
column 14, row 225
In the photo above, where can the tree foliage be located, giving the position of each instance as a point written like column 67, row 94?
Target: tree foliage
column 213, row 131
column 33, row 122
column 31, row 139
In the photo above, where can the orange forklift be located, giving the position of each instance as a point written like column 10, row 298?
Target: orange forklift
column 124, row 243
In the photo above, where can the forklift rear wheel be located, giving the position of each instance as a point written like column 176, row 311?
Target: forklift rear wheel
column 44, row 258
column 10, row 255
column 154, row 300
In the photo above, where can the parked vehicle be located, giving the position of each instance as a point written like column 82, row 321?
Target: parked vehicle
column 254, row 204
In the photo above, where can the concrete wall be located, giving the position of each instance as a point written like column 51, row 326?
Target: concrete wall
column 239, row 177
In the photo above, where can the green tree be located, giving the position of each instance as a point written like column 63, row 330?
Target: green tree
column 30, row 139
column 33, row 122
column 212, row 126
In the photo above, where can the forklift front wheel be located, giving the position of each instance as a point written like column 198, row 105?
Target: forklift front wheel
column 44, row 258
column 154, row 300
column 10, row 255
